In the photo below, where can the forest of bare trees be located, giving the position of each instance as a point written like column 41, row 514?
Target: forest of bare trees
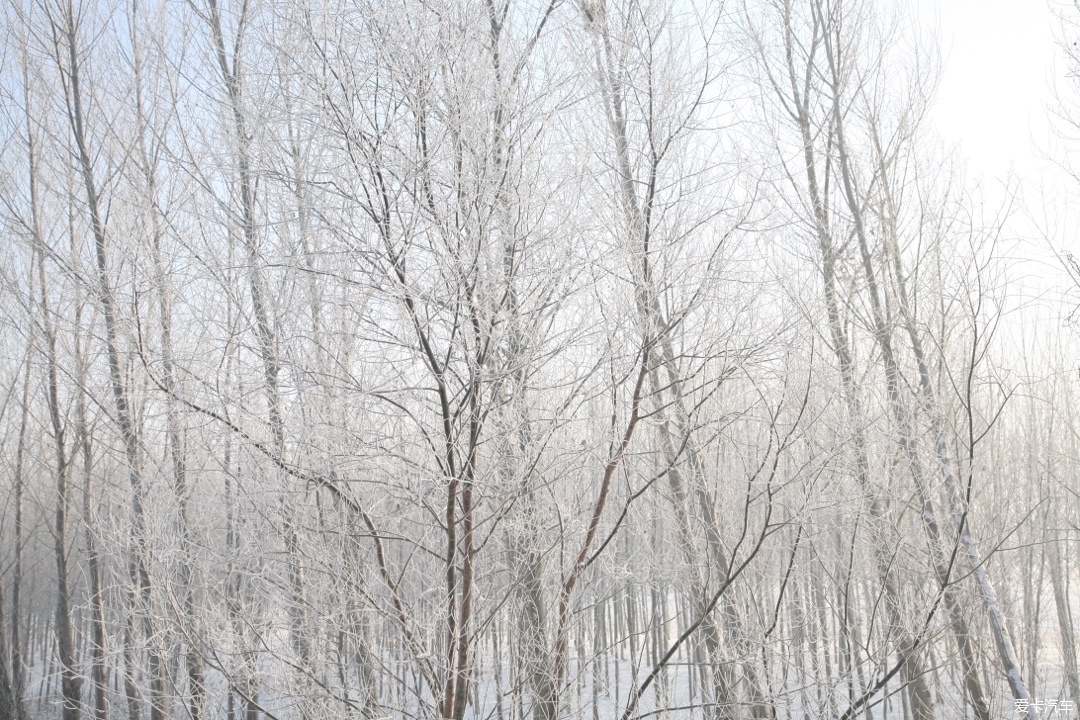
column 520, row 360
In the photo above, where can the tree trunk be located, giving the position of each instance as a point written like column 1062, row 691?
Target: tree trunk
column 18, row 651
column 189, row 629
column 917, row 689
column 138, row 563
column 70, row 682
column 1064, row 617
column 882, row 336
column 98, row 669
column 8, row 707
column 957, row 501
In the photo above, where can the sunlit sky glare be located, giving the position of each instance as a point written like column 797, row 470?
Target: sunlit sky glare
column 1000, row 62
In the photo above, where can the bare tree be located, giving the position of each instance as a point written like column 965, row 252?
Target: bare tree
column 513, row 359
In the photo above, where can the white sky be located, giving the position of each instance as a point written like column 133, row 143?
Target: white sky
column 995, row 103
column 1000, row 57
